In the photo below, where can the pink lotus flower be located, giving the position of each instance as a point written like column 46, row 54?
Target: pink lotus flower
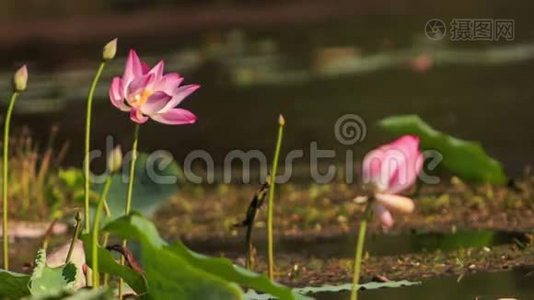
column 148, row 93
column 391, row 169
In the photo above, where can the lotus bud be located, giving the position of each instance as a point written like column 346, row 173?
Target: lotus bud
column 114, row 160
column 281, row 120
column 20, row 78
column 110, row 49
column 78, row 217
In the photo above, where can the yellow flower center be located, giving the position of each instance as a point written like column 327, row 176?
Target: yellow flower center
column 141, row 98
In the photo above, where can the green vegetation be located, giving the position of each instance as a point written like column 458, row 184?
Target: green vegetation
column 465, row 159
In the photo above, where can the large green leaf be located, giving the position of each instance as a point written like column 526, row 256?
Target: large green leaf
column 108, row 265
column 136, row 227
column 46, row 281
column 152, row 185
column 465, row 159
column 13, row 285
column 168, row 275
column 226, row 269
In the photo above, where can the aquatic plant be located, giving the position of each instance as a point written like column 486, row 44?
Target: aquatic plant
column 169, row 270
column 270, row 208
column 387, row 171
column 148, row 93
column 108, row 53
column 465, row 159
column 20, row 79
column 172, row 270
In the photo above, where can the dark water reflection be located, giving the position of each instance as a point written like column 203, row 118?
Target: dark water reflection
column 377, row 245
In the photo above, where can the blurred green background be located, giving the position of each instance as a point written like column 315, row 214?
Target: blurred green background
column 313, row 61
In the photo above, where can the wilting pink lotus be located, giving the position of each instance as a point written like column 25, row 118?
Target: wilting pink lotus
column 148, row 93
column 391, row 169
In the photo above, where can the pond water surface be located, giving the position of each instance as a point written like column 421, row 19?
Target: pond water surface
column 517, row 284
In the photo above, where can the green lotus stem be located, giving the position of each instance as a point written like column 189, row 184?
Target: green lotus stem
column 270, row 250
column 106, row 238
column 359, row 251
column 104, row 245
column 78, row 219
column 86, row 165
column 131, row 176
column 5, row 166
column 94, row 233
column 128, row 207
